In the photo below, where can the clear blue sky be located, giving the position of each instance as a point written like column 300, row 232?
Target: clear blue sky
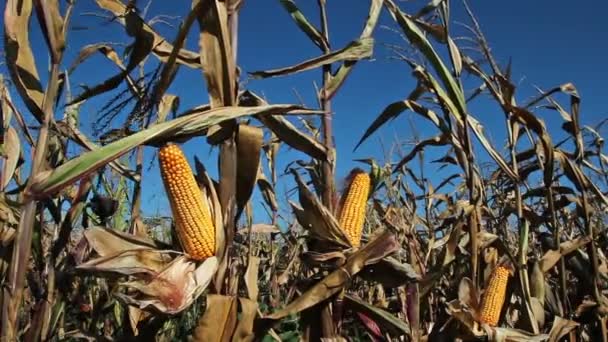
column 550, row 42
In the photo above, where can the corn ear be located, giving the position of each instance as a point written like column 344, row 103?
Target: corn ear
column 354, row 200
column 494, row 297
column 193, row 224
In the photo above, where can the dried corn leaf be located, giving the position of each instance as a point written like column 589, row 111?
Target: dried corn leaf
column 316, row 218
column 123, row 253
column 244, row 329
column 419, row 40
column 560, row 328
column 260, row 228
column 219, row 321
column 390, row 273
column 168, row 104
column 293, row 137
column 513, row 335
column 107, row 241
column 478, row 130
column 267, row 192
column 551, row 257
column 305, row 25
column 284, row 129
column 251, row 277
column 81, row 139
column 139, row 50
column 87, row 51
column 338, row 78
column 216, row 54
column 383, row 245
column 249, row 147
column 394, row 109
column 12, row 152
column 161, row 48
column 52, row 27
column 175, row 288
column 387, row 322
column 356, row 50
column 20, row 57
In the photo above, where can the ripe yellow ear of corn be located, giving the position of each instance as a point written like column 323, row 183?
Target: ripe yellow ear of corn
column 191, row 214
column 494, row 297
column 354, row 200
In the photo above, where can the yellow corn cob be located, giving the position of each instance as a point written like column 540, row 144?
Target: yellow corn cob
column 354, row 200
column 494, row 297
column 193, row 223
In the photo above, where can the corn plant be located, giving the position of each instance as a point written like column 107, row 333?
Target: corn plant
column 488, row 251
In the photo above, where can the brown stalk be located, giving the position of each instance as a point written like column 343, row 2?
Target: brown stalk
column 328, row 325
column 13, row 293
column 328, row 166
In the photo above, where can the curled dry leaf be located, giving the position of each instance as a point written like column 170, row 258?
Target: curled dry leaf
column 107, row 241
column 12, row 151
column 134, row 261
column 300, row 19
column 390, row 273
column 465, row 315
column 175, row 288
column 560, row 328
column 161, row 48
column 123, row 253
column 316, row 218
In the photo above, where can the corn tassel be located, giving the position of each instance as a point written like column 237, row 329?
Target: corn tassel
column 193, row 224
column 494, row 297
column 354, row 200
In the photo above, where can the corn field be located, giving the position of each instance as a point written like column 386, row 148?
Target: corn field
column 511, row 245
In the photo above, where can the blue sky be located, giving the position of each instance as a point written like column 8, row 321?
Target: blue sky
column 550, row 43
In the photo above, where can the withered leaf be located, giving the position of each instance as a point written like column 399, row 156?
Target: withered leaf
column 175, row 288
column 316, row 218
column 391, row 324
column 383, row 245
column 249, row 147
column 244, row 328
column 251, row 277
column 161, row 48
column 12, row 153
column 390, row 273
column 560, row 328
column 219, row 320
column 356, row 50
column 551, row 257
column 20, row 57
